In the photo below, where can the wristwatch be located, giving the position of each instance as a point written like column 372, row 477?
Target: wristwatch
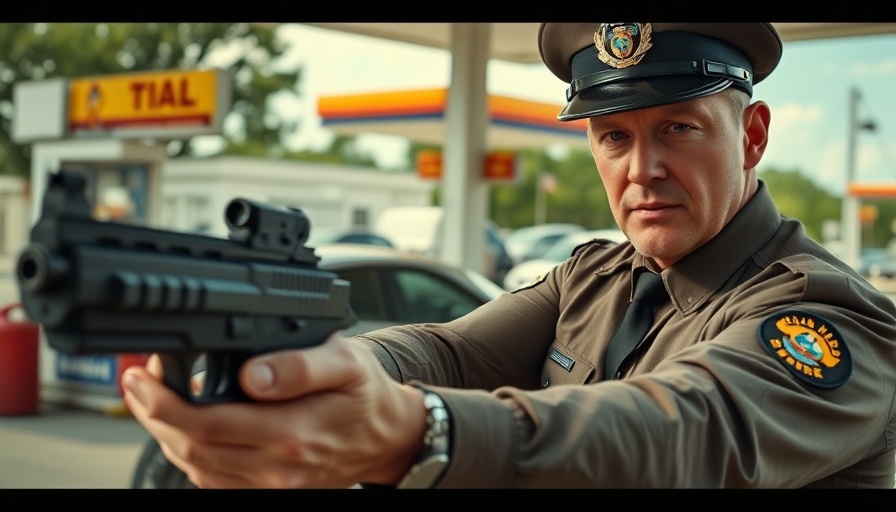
column 433, row 459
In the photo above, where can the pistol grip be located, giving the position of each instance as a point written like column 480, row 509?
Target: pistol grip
column 216, row 373
column 222, row 383
column 177, row 374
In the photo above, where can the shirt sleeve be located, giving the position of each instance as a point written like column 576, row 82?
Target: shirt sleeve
column 720, row 412
column 503, row 342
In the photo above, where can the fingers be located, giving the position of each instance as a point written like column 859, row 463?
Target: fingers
column 275, row 440
column 154, row 365
column 212, row 444
column 289, row 374
column 234, row 444
column 164, row 412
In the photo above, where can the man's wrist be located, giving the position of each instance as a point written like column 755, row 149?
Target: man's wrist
column 429, row 466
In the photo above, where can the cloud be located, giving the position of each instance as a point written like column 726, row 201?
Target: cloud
column 791, row 130
column 792, row 120
column 866, row 69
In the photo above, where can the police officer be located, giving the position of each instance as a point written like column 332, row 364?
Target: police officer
column 763, row 362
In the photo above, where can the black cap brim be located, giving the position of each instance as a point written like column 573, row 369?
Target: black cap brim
column 622, row 96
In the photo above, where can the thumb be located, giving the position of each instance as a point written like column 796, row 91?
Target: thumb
column 258, row 377
column 289, row 374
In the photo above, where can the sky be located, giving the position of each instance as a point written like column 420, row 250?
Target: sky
column 809, row 95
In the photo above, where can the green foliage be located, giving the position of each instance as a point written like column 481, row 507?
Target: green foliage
column 579, row 196
column 38, row 51
column 798, row 197
column 342, row 150
column 881, row 230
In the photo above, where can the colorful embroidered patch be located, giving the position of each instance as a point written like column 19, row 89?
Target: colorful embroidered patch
column 807, row 345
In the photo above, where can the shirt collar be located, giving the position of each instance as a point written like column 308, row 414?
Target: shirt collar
column 699, row 275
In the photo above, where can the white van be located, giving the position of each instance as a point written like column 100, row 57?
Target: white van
column 418, row 229
column 410, row 228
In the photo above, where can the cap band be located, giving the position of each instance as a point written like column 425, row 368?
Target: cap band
column 695, row 67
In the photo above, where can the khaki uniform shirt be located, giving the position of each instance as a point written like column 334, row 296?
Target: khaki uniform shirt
column 772, row 365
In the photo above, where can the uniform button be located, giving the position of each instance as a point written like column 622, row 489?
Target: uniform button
column 546, row 383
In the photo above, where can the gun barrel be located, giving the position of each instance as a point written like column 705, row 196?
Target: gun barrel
column 39, row 270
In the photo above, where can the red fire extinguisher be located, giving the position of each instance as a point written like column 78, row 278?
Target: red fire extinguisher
column 19, row 344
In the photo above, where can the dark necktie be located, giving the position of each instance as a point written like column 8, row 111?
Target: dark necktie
column 649, row 292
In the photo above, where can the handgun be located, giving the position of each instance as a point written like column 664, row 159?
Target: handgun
column 101, row 287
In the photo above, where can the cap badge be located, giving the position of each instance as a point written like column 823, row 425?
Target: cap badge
column 621, row 45
column 810, row 347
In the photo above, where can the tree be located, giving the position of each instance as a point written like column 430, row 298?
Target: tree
column 38, row 51
column 798, row 197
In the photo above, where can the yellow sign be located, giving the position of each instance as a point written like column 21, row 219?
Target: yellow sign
column 154, row 101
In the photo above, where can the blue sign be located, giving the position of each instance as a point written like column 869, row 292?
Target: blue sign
column 89, row 369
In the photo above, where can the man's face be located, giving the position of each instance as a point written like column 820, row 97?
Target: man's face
column 674, row 174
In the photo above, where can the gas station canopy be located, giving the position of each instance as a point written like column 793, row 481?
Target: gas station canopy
column 419, row 114
column 515, row 42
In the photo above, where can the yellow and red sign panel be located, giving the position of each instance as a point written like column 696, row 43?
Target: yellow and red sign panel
column 146, row 101
column 499, row 165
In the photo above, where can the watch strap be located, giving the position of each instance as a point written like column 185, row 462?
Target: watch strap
column 435, row 455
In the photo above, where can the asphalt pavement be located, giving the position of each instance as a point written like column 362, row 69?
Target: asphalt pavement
column 62, row 447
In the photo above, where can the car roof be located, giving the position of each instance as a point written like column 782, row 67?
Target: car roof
column 532, row 232
column 342, row 255
column 327, row 233
column 352, row 251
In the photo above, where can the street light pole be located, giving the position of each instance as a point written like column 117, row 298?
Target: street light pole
column 539, row 201
column 850, row 233
column 850, row 223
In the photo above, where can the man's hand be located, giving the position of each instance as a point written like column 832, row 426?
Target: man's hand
column 324, row 416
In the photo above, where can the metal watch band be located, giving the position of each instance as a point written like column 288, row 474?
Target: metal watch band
column 434, row 457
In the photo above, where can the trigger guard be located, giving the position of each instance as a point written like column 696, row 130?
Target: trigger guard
column 176, row 374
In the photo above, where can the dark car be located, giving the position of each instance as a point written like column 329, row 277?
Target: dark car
column 388, row 287
column 497, row 248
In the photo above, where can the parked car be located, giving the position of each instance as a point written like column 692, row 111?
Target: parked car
column 356, row 235
column 871, row 256
column 526, row 271
column 533, row 241
column 388, row 287
column 419, row 229
column 885, row 268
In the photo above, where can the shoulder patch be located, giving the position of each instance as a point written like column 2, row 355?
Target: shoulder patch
column 810, row 347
